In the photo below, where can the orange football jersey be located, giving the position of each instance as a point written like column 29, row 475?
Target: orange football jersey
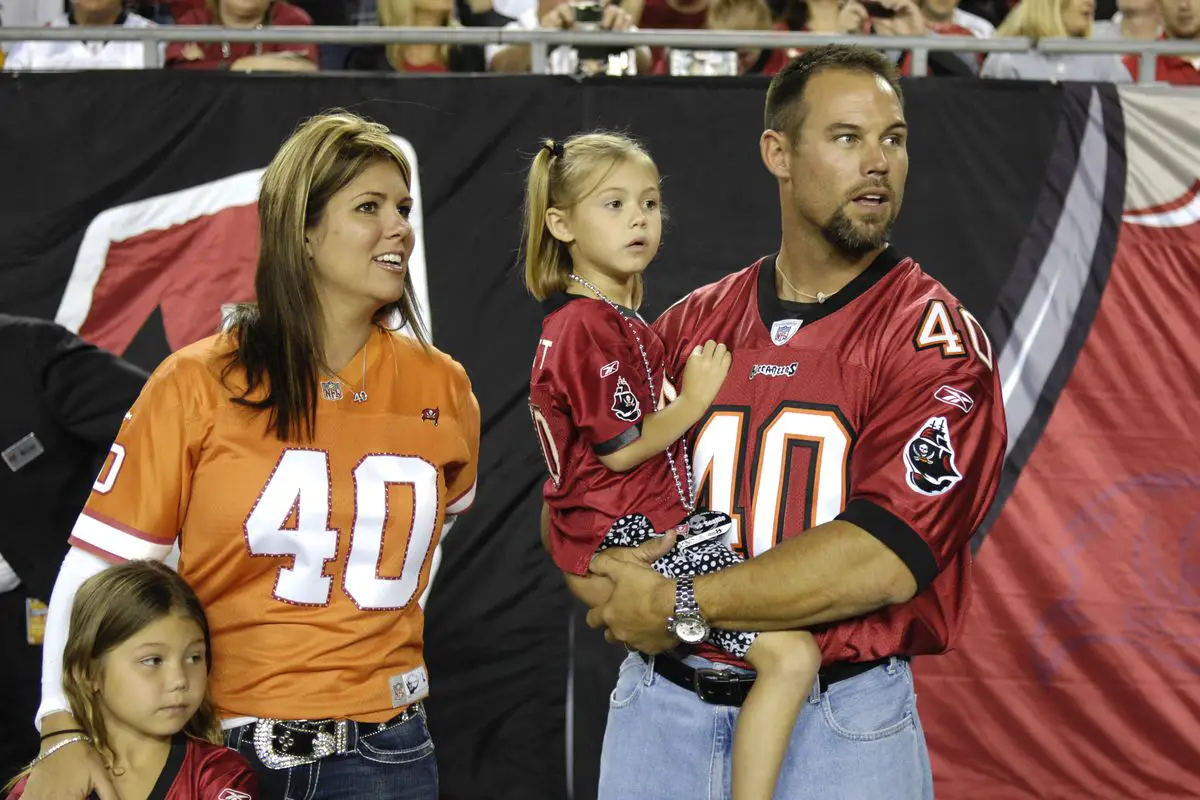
column 310, row 558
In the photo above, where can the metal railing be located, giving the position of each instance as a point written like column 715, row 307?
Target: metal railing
column 541, row 41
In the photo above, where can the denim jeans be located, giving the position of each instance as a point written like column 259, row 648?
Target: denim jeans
column 861, row 739
column 396, row 763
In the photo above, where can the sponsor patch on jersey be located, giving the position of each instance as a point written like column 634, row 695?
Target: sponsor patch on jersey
column 233, row 794
column 774, row 370
column 955, row 397
column 409, row 687
column 609, row 369
column 625, row 405
column 783, row 330
column 929, row 459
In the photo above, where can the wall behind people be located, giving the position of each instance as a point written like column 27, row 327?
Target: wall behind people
column 152, row 239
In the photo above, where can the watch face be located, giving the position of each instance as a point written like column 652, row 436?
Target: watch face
column 690, row 630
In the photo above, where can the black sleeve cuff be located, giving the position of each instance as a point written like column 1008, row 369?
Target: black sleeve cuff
column 626, row 437
column 897, row 536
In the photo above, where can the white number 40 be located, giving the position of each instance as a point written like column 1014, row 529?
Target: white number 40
column 301, row 484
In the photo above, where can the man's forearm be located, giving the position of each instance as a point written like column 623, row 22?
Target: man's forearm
column 834, row 571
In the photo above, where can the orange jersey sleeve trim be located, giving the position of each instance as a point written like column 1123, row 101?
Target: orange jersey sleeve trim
column 110, row 539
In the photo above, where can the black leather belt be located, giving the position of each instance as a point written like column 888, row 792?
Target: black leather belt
column 723, row 687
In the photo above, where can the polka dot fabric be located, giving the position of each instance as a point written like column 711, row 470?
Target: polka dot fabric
column 703, row 556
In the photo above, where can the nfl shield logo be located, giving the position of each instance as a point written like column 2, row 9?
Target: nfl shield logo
column 783, row 330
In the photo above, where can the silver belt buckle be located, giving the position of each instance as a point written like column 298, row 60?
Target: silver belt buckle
column 325, row 743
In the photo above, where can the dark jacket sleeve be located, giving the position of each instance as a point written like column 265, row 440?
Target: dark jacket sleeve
column 87, row 390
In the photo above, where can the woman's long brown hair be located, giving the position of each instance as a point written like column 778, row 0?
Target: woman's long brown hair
column 279, row 338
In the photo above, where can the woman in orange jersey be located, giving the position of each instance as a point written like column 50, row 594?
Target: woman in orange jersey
column 306, row 460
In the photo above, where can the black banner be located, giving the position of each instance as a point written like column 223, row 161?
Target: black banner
column 503, row 640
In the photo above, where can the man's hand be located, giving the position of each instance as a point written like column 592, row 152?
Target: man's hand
column 615, row 18
column 594, row 590
column 562, row 17
column 637, row 609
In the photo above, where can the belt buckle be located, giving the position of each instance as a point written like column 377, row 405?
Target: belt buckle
column 719, row 687
column 277, row 747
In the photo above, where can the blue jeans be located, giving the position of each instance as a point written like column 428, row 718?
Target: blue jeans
column 861, row 739
column 396, row 763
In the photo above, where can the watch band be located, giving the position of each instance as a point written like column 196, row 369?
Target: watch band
column 685, row 597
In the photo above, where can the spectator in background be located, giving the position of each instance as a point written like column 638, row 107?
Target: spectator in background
column 1135, row 19
column 30, row 13
column 668, row 14
column 62, row 55
column 417, row 57
column 64, row 403
column 944, row 16
column 26, row 14
column 741, row 15
column 563, row 60
column 244, row 56
column 906, row 18
column 815, row 16
column 1040, row 19
column 484, row 13
column 1180, row 20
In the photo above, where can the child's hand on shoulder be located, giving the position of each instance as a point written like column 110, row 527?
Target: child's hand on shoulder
column 705, row 371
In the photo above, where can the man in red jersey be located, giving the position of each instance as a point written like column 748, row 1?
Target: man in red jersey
column 856, row 442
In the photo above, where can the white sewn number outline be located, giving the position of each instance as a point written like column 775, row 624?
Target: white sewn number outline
column 721, row 445
column 938, row 329
column 302, row 483
column 549, row 448
column 108, row 477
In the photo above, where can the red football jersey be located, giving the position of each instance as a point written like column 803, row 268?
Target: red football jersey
column 197, row 770
column 880, row 407
column 588, row 394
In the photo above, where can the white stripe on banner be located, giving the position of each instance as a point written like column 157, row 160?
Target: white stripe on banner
column 117, row 542
column 175, row 208
column 1040, row 329
column 1187, row 214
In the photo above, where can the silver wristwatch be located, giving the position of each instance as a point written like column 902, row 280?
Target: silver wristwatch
column 687, row 624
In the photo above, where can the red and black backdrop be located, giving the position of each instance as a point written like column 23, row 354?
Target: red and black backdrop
column 1064, row 216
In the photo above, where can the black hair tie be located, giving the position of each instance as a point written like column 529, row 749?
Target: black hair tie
column 555, row 148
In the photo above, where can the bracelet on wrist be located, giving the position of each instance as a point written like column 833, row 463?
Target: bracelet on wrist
column 63, row 732
column 60, row 745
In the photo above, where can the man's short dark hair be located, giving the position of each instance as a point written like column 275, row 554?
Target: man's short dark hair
column 786, row 93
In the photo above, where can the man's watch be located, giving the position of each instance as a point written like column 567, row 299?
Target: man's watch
column 687, row 624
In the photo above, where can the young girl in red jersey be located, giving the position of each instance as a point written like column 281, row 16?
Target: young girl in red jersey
column 611, row 427
column 135, row 670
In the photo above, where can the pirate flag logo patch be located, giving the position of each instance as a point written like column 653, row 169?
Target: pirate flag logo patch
column 625, row 405
column 929, row 459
